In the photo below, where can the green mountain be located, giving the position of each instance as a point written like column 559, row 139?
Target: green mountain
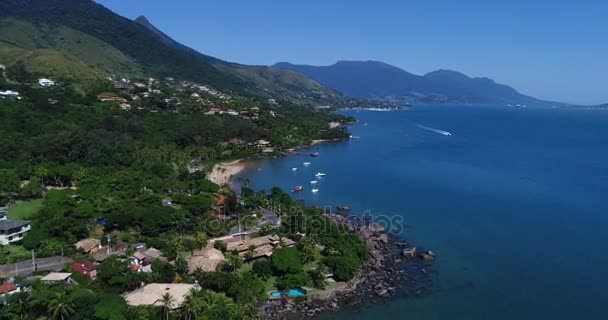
column 82, row 40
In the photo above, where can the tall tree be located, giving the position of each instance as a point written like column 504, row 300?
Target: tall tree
column 61, row 306
column 167, row 302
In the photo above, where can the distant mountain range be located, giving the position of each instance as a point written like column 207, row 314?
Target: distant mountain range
column 373, row 79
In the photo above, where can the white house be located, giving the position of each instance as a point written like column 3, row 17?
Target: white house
column 10, row 94
column 12, row 230
column 44, row 82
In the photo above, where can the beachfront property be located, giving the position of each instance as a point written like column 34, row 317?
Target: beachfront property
column 12, row 231
column 263, row 246
column 152, row 294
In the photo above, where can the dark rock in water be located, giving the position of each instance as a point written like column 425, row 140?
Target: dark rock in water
column 385, row 274
column 409, row 252
column 426, row 257
column 383, row 238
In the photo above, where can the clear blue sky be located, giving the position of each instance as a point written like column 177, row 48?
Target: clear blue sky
column 549, row 49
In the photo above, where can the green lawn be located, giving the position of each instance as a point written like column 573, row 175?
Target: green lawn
column 23, row 210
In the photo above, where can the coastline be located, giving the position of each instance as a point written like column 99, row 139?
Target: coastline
column 222, row 173
column 394, row 268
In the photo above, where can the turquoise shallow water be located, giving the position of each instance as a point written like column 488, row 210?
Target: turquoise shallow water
column 513, row 202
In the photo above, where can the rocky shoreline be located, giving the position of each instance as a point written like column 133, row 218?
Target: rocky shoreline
column 394, row 269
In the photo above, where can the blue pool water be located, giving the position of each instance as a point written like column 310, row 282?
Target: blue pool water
column 290, row 293
column 513, row 202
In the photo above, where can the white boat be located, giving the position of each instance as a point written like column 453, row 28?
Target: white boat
column 306, row 164
column 320, row 174
column 313, row 182
column 314, row 190
column 294, row 169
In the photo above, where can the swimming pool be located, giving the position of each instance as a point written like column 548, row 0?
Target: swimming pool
column 295, row 292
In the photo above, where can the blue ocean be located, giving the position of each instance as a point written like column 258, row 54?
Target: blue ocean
column 513, row 201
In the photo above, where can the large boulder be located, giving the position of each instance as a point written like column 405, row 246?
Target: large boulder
column 409, row 252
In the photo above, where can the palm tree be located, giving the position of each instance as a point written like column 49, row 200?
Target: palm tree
column 167, row 304
column 60, row 306
column 41, row 173
column 192, row 306
column 233, row 260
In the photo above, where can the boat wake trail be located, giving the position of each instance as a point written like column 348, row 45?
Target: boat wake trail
column 442, row 132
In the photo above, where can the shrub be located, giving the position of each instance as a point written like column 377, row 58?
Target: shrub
column 262, row 268
column 286, row 260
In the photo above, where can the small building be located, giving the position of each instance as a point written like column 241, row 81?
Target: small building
column 44, row 82
column 88, row 245
column 261, row 144
column 145, row 257
column 9, row 288
column 10, row 94
column 85, row 268
column 214, row 111
column 152, row 294
column 58, row 278
column 125, row 106
column 111, row 97
column 12, row 231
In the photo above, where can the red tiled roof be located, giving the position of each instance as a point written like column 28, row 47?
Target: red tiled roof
column 83, row 267
column 7, row 287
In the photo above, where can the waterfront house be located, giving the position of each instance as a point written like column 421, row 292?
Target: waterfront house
column 152, row 294
column 262, row 246
column 85, row 268
column 12, row 231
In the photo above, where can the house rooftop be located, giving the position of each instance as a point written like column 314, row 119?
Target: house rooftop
column 6, row 225
column 57, row 276
column 7, row 287
column 151, row 294
column 87, row 244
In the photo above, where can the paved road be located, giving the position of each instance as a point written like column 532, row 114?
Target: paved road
column 25, row 268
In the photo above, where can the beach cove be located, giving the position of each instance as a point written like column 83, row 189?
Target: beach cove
column 506, row 220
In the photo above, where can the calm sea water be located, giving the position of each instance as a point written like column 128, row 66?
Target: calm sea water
column 514, row 202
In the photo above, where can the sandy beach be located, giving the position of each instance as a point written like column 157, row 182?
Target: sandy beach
column 223, row 172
